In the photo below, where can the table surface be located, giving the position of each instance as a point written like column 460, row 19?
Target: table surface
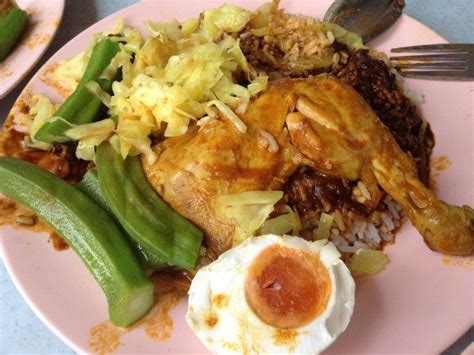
column 21, row 331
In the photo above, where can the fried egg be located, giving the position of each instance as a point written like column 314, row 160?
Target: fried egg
column 272, row 294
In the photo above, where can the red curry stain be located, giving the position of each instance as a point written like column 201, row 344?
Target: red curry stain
column 441, row 163
column 211, row 319
column 104, row 338
column 47, row 78
column 465, row 262
column 158, row 324
column 285, row 337
column 438, row 165
column 220, row 301
column 58, row 242
column 5, row 71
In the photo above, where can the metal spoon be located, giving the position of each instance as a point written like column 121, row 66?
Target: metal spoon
column 367, row 18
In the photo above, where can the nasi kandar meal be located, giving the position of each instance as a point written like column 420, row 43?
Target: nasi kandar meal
column 271, row 157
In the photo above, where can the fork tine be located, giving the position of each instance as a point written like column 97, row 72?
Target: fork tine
column 445, row 65
column 433, row 74
column 454, row 57
column 447, row 47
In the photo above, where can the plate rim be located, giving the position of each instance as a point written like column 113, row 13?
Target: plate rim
column 28, row 300
column 41, row 53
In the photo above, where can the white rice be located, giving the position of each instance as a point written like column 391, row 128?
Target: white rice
column 387, row 220
column 364, row 190
column 363, row 234
column 372, row 235
column 345, row 247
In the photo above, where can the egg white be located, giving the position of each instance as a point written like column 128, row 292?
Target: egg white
column 220, row 316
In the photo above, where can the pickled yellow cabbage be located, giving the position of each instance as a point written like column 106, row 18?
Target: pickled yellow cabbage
column 69, row 72
column 133, row 136
column 324, row 227
column 90, row 136
column 91, row 129
column 262, row 16
column 40, row 112
column 341, row 35
column 227, row 18
column 248, row 209
column 282, row 224
column 95, row 89
column 182, row 73
column 367, row 262
column 193, row 79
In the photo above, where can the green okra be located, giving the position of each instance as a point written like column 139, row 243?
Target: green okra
column 90, row 186
column 82, row 106
column 89, row 230
column 145, row 217
column 13, row 21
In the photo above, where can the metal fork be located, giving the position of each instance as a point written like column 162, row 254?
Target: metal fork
column 451, row 61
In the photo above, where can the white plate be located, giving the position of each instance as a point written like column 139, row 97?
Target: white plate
column 44, row 18
column 417, row 305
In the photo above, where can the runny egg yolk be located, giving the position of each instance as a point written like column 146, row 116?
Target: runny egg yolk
column 287, row 287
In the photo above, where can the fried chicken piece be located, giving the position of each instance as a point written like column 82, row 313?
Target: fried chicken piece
column 338, row 131
column 216, row 159
column 319, row 122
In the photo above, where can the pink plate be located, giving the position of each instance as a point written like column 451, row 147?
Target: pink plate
column 420, row 304
column 44, row 18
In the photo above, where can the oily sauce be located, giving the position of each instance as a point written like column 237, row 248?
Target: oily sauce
column 59, row 160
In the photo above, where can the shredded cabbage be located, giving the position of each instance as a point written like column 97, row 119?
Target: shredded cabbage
column 95, row 89
column 248, row 209
column 324, row 227
column 69, row 72
column 282, row 224
column 261, row 17
column 258, row 85
column 90, row 136
column 91, row 129
column 227, row 18
column 40, row 112
column 178, row 75
column 367, row 262
column 341, row 35
column 181, row 73
column 189, row 26
column 133, row 136
column 192, row 80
